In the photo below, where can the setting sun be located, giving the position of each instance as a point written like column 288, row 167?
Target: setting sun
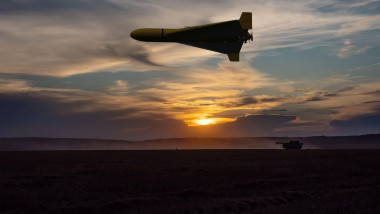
column 204, row 122
column 208, row 121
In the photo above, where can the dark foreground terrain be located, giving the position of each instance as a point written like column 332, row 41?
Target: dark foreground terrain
column 192, row 181
column 369, row 141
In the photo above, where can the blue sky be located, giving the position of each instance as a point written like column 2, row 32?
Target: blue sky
column 68, row 68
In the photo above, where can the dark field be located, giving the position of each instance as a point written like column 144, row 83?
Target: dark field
column 192, row 181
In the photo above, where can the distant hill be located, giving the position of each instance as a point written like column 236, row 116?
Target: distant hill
column 371, row 141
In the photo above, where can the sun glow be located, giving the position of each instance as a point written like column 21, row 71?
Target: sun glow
column 208, row 121
column 203, row 122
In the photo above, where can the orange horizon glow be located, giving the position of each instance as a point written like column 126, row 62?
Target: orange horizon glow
column 208, row 121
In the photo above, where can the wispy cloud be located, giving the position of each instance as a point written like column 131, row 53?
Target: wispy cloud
column 349, row 49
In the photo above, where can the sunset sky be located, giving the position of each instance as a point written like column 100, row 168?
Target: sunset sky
column 68, row 68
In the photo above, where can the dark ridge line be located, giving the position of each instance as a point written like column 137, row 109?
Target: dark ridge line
column 184, row 138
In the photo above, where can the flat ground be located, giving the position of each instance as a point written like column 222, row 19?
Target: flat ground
column 192, row 181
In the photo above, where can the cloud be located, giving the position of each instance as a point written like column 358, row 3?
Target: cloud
column 366, row 67
column 67, row 37
column 346, row 88
column 358, row 125
column 247, row 126
column 259, row 100
column 377, row 92
column 121, row 87
column 373, row 101
column 343, row 4
column 23, row 116
column 356, row 7
column 271, row 99
column 13, row 85
column 318, row 95
column 53, row 6
column 26, row 116
column 188, row 97
column 242, row 102
column 349, row 49
column 346, row 101
column 132, row 113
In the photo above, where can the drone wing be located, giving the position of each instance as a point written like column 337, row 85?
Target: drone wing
column 232, row 49
column 213, row 36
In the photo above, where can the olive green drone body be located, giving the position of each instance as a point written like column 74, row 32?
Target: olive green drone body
column 223, row 37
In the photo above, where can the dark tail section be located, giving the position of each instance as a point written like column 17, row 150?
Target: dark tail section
column 246, row 20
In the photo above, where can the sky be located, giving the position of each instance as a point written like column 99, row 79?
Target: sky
column 69, row 68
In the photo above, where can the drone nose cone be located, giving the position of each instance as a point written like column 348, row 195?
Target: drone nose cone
column 147, row 34
column 135, row 34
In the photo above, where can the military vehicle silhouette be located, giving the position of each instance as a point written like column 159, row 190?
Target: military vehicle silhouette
column 293, row 144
